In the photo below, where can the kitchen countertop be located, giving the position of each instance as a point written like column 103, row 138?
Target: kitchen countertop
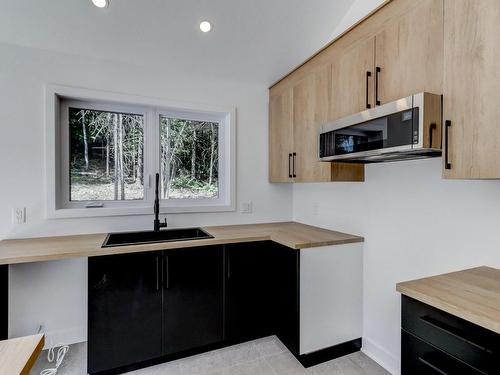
column 473, row 294
column 291, row 234
column 18, row 355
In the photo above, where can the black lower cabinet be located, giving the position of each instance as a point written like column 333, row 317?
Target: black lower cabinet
column 421, row 358
column 435, row 342
column 124, row 310
column 152, row 307
column 193, row 298
column 252, row 293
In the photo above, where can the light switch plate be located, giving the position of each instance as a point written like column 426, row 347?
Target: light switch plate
column 19, row 215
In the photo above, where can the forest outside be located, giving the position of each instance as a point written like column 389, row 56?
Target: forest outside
column 107, row 157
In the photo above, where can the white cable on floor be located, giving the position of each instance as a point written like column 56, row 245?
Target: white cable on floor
column 61, row 352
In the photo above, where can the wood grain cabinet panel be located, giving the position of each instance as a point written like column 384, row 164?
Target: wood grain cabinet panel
column 471, row 89
column 311, row 98
column 409, row 52
column 352, row 90
column 280, row 136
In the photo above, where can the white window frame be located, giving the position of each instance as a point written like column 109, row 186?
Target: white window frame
column 57, row 101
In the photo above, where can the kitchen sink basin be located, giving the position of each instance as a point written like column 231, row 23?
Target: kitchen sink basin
column 145, row 237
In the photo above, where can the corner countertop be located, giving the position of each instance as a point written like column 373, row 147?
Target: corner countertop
column 18, row 355
column 290, row 234
column 473, row 295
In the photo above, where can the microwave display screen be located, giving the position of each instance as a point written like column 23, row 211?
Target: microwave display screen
column 397, row 129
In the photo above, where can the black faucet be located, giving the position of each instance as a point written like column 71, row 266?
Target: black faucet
column 157, row 224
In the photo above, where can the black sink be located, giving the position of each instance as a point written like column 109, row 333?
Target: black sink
column 168, row 235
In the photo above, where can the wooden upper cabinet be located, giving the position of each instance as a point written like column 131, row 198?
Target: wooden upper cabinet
column 280, row 136
column 471, row 88
column 311, row 97
column 409, row 50
column 352, row 78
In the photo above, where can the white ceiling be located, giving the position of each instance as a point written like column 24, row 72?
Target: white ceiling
column 252, row 40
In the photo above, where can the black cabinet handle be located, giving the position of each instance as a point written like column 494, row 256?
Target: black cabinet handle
column 294, row 156
column 434, row 367
column 157, row 273
column 450, row 331
column 228, row 267
column 377, row 76
column 289, row 165
column 368, row 105
column 447, row 126
column 167, row 273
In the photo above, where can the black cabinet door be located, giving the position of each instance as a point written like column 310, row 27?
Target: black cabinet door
column 252, row 302
column 124, row 310
column 287, row 296
column 193, row 298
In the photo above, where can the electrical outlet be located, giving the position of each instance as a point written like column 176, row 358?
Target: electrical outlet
column 19, row 215
column 246, row 207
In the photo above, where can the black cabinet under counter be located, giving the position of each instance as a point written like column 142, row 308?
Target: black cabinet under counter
column 450, row 323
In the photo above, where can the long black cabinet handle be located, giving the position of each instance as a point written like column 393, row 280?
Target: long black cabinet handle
column 228, row 267
column 290, row 165
column 443, row 328
column 434, row 367
column 377, row 77
column 447, row 126
column 368, row 75
column 294, row 156
column 167, row 273
column 157, row 273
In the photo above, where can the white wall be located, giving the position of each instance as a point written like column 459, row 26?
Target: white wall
column 415, row 224
column 23, row 71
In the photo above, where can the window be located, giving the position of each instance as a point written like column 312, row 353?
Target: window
column 189, row 158
column 103, row 156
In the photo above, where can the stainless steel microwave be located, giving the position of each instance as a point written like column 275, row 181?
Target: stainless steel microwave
column 409, row 128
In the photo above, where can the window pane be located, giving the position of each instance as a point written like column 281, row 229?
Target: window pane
column 106, row 155
column 189, row 158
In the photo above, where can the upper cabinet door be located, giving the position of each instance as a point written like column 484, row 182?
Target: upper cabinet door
column 280, row 136
column 311, row 97
column 471, row 89
column 409, row 52
column 352, row 78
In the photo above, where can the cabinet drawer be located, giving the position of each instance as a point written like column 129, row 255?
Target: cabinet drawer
column 468, row 342
column 420, row 358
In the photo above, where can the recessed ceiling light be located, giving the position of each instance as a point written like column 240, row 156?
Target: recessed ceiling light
column 205, row 26
column 101, row 3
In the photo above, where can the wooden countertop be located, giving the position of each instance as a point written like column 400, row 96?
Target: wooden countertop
column 17, row 356
column 473, row 295
column 293, row 235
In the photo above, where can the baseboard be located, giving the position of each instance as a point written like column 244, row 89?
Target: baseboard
column 381, row 356
column 327, row 354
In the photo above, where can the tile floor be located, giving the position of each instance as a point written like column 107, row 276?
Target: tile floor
column 267, row 356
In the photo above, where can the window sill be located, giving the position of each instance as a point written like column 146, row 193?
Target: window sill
column 68, row 213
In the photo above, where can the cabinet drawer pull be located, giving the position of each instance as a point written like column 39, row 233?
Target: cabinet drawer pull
column 368, row 105
column 443, row 328
column 377, row 77
column 435, row 368
column 447, row 126
column 289, row 165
